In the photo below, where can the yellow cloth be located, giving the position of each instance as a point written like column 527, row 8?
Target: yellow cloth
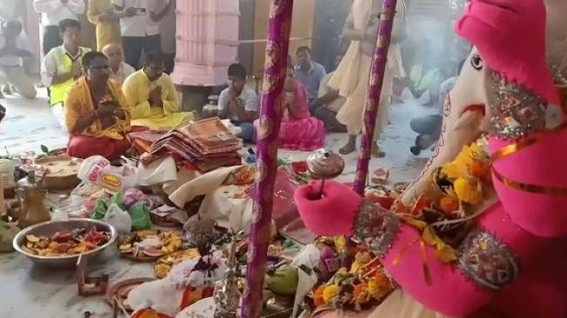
column 79, row 103
column 106, row 32
column 137, row 88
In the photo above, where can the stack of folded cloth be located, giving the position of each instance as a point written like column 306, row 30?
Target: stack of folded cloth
column 207, row 144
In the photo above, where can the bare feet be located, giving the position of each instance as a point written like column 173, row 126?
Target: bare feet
column 376, row 152
column 349, row 147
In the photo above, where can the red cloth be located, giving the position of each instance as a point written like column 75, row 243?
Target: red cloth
column 83, row 147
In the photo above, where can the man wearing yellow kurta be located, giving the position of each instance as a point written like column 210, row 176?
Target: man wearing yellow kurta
column 152, row 97
column 107, row 22
column 96, row 112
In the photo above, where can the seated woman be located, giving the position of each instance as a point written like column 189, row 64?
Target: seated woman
column 299, row 131
column 96, row 112
column 153, row 98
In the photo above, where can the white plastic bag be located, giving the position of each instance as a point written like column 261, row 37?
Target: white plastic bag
column 118, row 218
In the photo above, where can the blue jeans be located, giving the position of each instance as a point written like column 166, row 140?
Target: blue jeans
column 246, row 130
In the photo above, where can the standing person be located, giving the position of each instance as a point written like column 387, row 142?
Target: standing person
column 327, row 26
column 119, row 70
column 239, row 102
column 352, row 75
column 62, row 66
column 102, row 15
column 308, row 72
column 153, row 98
column 96, row 112
column 167, row 30
column 139, row 25
column 14, row 48
column 52, row 13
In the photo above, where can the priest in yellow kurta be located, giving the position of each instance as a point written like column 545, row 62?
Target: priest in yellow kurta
column 152, row 97
column 96, row 112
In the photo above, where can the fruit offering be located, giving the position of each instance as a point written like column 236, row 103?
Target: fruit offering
column 148, row 244
column 283, row 281
column 164, row 264
column 76, row 241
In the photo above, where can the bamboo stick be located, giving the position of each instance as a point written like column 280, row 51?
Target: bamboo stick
column 374, row 91
column 267, row 132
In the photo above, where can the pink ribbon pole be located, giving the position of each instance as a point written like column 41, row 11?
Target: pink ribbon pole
column 374, row 91
column 267, row 131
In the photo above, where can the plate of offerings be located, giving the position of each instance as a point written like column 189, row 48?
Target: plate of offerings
column 148, row 245
column 119, row 291
column 163, row 265
column 59, row 243
column 60, row 172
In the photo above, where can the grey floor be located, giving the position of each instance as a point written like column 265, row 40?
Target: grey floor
column 30, row 124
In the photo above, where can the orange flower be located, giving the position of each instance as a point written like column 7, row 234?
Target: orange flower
column 361, row 294
column 448, row 205
column 480, row 170
column 358, row 290
column 382, row 282
column 318, row 296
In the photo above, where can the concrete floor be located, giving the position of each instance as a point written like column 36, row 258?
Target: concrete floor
column 30, row 124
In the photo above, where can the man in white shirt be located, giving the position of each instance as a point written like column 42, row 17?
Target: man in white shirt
column 119, row 69
column 139, row 25
column 239, row 103
column 62, row 66
column 13, row 49
column 52, row 13
column 326, row 106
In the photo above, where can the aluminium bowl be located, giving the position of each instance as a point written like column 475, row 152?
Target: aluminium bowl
column 50, row 228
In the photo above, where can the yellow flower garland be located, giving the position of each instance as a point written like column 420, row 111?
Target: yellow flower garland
column 468, row 172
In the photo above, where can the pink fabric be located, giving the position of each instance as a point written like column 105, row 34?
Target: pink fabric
column 510, row 37
column 540, row 164
column 521, row 220
column 331, row 215
column 83, row 147
column 453, row 294
column 533, row 226
column 304, row 132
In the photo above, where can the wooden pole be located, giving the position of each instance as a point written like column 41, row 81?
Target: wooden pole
column 374, row 91
column 267, row 132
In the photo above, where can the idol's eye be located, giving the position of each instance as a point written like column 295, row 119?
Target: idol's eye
column 476, row 62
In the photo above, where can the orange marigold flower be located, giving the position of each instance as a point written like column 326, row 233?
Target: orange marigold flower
column 448, row 205
column 480, row 170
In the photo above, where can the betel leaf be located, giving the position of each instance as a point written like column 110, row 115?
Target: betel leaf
column 44, row 149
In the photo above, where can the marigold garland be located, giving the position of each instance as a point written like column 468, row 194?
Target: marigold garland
column 464, row 182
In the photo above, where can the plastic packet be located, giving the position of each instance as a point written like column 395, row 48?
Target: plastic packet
column 99, row 210
column 140, row 215
column 118, row 218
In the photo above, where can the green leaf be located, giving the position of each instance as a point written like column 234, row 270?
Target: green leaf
column 44, row 149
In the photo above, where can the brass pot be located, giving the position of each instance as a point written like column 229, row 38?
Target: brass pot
column 33, row 210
